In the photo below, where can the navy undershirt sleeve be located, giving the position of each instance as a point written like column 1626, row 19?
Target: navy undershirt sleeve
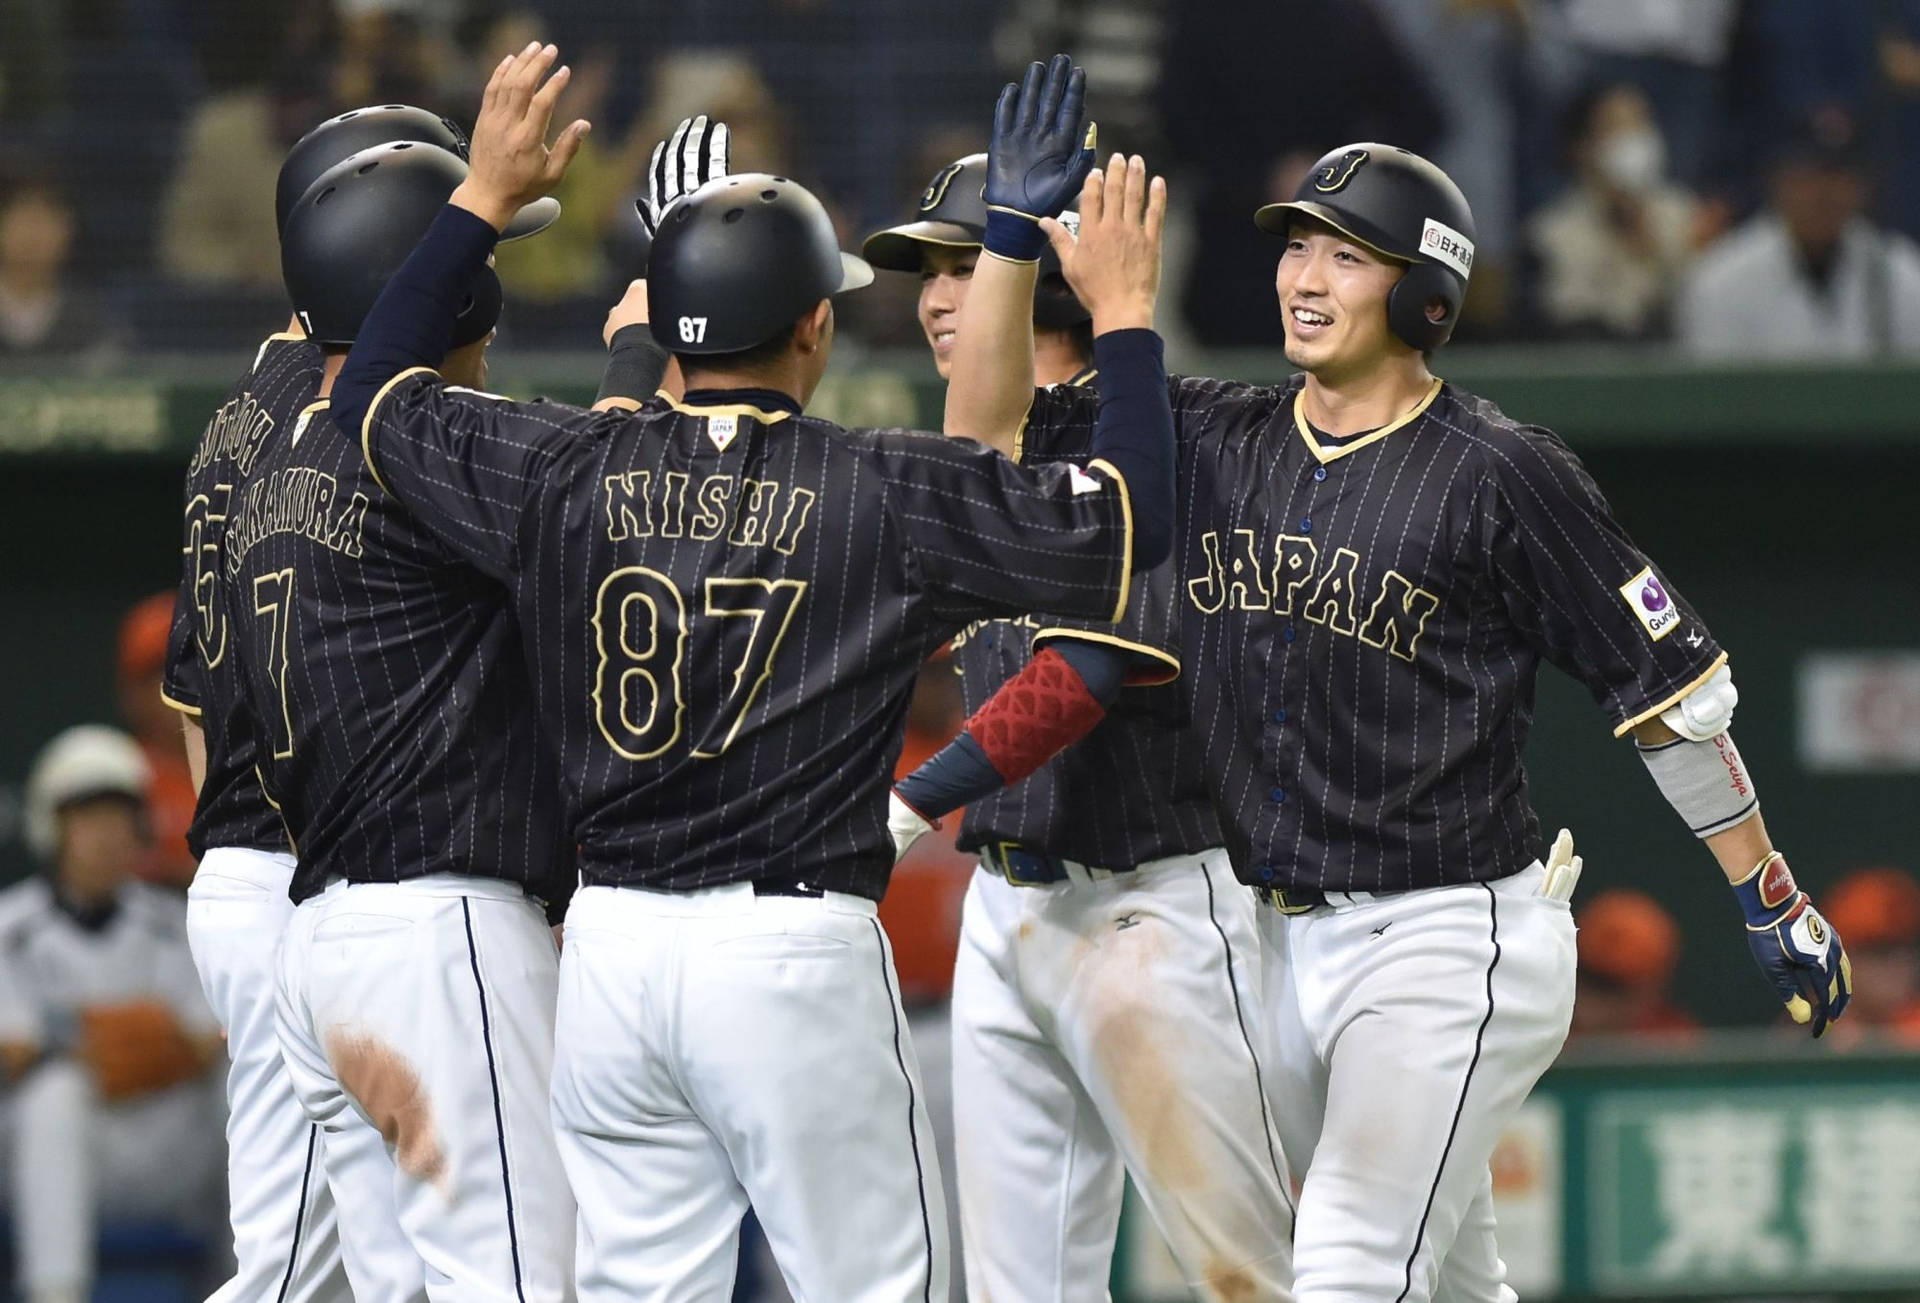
column 1134, row 432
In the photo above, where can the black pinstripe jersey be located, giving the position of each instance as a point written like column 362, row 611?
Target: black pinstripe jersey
column 1134, row 789
column 1363, row 620
column 202, row 673
column 726, row 603
column 384, row 675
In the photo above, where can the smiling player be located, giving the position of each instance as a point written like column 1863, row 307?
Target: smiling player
column 1374, row 565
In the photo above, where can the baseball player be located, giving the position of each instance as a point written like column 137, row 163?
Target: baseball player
column 106, row 1046
column 726, row 603
column 416, row 977
column 1105, row 860
column 281, row 1207
column 1374, row 565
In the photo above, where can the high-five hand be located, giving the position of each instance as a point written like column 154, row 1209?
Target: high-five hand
column 1114, row 266
column 1042, row 145
column 697, row 153
column 512, row 165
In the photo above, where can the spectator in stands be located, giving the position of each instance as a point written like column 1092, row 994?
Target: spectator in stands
column 170, row 795
column 1495, row 60
column 1878, row 911
column 1611, row 247
column 106, row 1044
column 1809, row 278
column 569, row 260
column 1674, row 50
column 1628, row 946
column 269, row 70
column 41, row 316
column 1250, row 96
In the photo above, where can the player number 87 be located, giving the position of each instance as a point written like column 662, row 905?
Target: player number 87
column 640, row 628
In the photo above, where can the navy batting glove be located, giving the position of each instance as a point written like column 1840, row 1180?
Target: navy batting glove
column 1794, row 945
column 1041, row 151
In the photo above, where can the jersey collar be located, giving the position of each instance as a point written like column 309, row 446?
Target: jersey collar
column 1326, row 452
column 1084, row 376
column 763, row 405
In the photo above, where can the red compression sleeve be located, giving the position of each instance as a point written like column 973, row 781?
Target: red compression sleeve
column 1036, row 714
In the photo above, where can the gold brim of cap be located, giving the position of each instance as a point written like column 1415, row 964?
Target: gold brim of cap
column 898, row 247
column 1275, row 219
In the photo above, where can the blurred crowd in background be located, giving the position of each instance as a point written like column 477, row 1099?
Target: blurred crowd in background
column 1738, row 176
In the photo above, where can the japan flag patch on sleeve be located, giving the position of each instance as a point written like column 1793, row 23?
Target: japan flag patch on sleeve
column 1652, row 603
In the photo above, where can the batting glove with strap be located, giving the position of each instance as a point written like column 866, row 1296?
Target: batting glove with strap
column 1042, row 149
column 906, row 824
column 699, row 150
column 1794, row 945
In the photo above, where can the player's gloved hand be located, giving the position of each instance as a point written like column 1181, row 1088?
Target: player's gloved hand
column 135, row 1047
column 1041, row 151
column 906, row 824
column 698, row 151
column 1794, row 945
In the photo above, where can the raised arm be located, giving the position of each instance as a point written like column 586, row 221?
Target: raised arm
column 1041, row 148
column 411, row 323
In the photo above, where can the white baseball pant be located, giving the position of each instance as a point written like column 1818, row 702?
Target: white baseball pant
column 1105, row 1026
column 718, row 1048
column 420, row 1014
column 285, row 1244
column 1409, row 1028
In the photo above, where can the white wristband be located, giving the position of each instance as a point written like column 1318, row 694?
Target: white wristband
column 1705, row 782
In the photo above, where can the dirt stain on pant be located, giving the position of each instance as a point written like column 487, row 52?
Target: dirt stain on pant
column 389, row 1091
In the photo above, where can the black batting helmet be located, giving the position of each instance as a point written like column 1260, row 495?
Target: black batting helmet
column 1402, row 207
column 338, row 139
column 356, row 224
column 738, row 260
column 953, row 213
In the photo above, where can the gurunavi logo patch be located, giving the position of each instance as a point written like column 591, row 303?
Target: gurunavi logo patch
column 1649, row 600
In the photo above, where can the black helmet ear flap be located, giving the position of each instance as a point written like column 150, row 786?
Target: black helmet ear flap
column 1423, row 284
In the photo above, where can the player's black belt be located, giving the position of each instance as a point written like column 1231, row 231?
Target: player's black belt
column 1030, row 868
column 1022, row 867
column 1291, row 900
column 787, row 887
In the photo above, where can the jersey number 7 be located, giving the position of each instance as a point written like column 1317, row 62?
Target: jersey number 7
column 640, row 628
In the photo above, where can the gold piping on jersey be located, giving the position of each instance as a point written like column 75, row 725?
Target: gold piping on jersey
column 617, row 402
column 1020, row 435
column 278, row 337
column 1324, row 454
column 1079, row 379
column 1672, row 701
column 1126, row 552
column 1135, row 678
column 366, row 425
column 726, row 409
column 192, row 712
